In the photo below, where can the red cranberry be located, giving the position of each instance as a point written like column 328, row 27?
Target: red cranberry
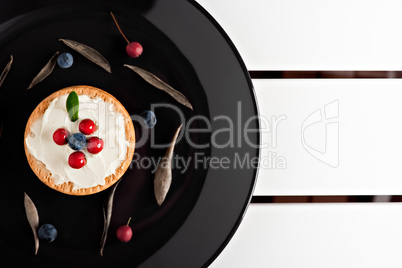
column 95, row 145
column 134, row 49
column 87, row 126
column 124, row 232
column 60, row 136
column 77, row 160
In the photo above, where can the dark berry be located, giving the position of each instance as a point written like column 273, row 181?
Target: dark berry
column 95, row 145
column 65, row 60
column 87, row 126
column 77, row 160
column 77, row 141
column 149, row 118
column 47, row 232
column 60, row 136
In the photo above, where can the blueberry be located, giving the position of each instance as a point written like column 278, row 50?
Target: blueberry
column 47, row 232
column 149, row 118
column 65, row 60
column 77, row 141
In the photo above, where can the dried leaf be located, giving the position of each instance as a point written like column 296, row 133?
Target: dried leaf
column 107, row 216
column 46, row 71
column 163, row 174
column 33, row 219
column 6, row 70
column 89, row 53
column 158, row 83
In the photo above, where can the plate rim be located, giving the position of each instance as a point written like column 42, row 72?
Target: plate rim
column 256, row 109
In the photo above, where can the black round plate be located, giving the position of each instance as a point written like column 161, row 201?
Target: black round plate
column 185, row 47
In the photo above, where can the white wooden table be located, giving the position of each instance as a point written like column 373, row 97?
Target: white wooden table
column 333, row 137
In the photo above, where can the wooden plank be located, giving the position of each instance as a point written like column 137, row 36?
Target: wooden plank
column 330, row 137
column 316, row 236
column 313, row 34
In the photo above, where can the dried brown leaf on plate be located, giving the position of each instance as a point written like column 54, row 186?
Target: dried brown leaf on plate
column 163, row 174
column 89, row 53
column 33, row 219
column 46, row 70
column 107, row 215
column 6, row 70
column 158, row 83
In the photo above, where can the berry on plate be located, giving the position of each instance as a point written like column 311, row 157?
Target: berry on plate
column 124, row 232
column 77, row 160
column 87, row 126
column 60, row 136
column 77, row 141
column 149, row 118
column 134, row 49
column 47, row 232
column 65, row 60
column 95, row 145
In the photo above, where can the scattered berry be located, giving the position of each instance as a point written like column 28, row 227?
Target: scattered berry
column 77, row 160
column 134, row 49
column 77, row 141
column 87, row 126
column 65, row 60
column 60, row 136
column 95, row 145
column 149, row 118
column 47, row 232
column 124, row 232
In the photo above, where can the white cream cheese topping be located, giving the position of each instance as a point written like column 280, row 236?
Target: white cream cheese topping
column 110, row 128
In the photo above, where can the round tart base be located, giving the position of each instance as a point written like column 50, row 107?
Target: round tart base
column 67, row 188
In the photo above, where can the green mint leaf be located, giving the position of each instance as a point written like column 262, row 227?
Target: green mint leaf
column 72, row 105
